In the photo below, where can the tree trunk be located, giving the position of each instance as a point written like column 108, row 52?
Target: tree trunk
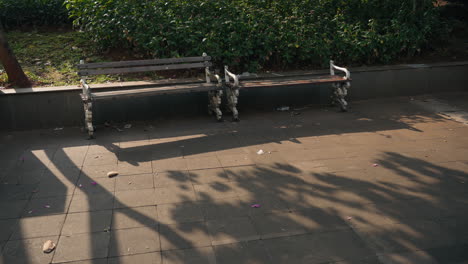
column 14, row 71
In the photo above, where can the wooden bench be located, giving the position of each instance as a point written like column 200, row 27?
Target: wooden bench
column 213, row 84
column 340, row 85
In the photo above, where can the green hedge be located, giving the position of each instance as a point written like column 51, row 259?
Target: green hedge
column 259, row 34
column 20, row 13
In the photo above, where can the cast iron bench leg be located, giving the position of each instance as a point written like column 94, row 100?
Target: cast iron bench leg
column 340, row 90
column 215, row 102
column 232, row 91
column 232, row 97
column 88, row 105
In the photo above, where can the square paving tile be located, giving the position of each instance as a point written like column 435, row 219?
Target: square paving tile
column 319, row 220
column 22, row 176
column 241, row 172
column 175, row 178
column 127, row 168
column 38, row 226
column 68, row 159
column 340, row 245
column 7, row 162
column 202, row 255
column 223, row 208
column 408, row 258
column 88, row 261
column 12, row 209
column 235, row 160
column 134, row 241
column 51, row 189
column 87, row 222
column 171, row 164
column 277, row 225
column 47, row 206
column 134, row 198
column 11, row 192
column 98, row 171
column 31, row 163
column 60, row 173
column 135, row 217
column 161, row 151
column 138, row 152
column 420, row 234
column 269, row 203
column 267, row 159
column 365, row 216
column 91, row 202
column 231, row 230
column 82, row 247
column 236, row 149
column 7, row 227
column 214, row 191
column 199, row 148
column 180, row 213
column 174, row 194
column 147, row 258
column 106, row 146
column 100, row 159
column 294, row 249
column 87, row 186
column 184, row 235
column 203, row 163
column 208, row 176
column 252, row 252
column 26, row 251
column 134, row 182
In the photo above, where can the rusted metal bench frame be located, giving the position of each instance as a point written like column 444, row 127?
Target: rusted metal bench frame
column 340, row 85
column 213, row 84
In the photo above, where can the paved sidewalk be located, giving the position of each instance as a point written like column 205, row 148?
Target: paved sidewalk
column 384, row 183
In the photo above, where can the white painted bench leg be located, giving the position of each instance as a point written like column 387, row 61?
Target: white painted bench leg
column 340, row 91
column 88, row 105
column 215, row 102
column 232, row 97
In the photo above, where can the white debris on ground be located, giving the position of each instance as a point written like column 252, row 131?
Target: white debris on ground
column 48, row 246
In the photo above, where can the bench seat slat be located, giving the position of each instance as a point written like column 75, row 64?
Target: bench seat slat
column 196, row 87
column 145, row 68
column 293, row 81
column 117, row 64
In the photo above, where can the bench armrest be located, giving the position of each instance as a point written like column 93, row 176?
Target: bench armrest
column 333, row 67
column 86, row 95
column 86, row 89
column 210, row 76
column 228, row 75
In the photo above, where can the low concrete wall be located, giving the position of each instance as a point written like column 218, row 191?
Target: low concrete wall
column 61, row 106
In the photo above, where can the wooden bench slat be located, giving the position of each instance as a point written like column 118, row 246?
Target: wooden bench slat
column 196, row 87
column 116, row 64
column 293, row 81
column 145, row 68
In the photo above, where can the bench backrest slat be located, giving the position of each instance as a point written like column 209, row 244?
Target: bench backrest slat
column 107, row 70
column 117, row 64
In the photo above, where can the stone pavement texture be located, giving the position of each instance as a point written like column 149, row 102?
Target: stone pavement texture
column 384, row 183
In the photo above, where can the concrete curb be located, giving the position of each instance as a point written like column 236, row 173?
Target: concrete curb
column 61, row 106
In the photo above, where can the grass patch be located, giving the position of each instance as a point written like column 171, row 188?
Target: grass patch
column 49, row 58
